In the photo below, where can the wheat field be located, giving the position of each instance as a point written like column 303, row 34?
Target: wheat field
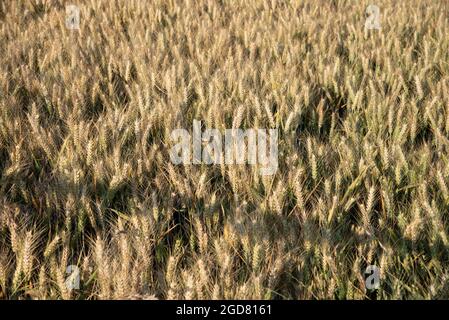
column 87, row 188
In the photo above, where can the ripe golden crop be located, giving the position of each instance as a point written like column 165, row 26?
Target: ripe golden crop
column 91, row 207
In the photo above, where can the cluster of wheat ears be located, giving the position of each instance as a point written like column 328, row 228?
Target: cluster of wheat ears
column 86, row 178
